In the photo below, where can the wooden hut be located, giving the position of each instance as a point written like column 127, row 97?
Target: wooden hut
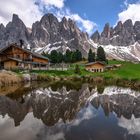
column 95, row 66
column 16, row 57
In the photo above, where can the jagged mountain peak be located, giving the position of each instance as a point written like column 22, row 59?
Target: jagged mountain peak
column 51, row 34
column 16, row 21
column 120, row 42
column 118, row 27
column 64, row 19
column 128, row 22
column 123, row 34
column 106, row 31
column 107, row 25
column 50, row 18
column 2, row 26
column 96, row 36
column 15, row 17
column 13, row 32
column 137, row 23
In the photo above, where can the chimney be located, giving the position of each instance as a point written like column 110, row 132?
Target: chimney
column 21, row 43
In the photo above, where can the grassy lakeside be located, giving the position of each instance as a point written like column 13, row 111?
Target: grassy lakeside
column 126, row 76
column 128, row 71
column 8, row 78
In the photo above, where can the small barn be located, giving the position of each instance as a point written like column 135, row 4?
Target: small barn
column 16, row 57
column 95, row 66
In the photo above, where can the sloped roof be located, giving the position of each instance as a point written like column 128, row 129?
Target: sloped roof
column 28, row 51
column 97, row 62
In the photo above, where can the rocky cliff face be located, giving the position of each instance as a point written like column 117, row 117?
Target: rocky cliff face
column 52, row 34
column 46, row 35
column 121, row 42
column 13, row 32
column 51, row 105
column 123, row 34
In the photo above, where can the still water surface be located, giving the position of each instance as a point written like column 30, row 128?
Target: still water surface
column 62, row 113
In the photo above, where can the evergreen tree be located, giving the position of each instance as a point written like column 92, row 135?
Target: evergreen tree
column 54, row 56
column 101, row 54
column 77, row 69
column 67, row 56
column 78, row 55
column 106, row 61
column 73, row 57
column 59, row 57
column 91, row 56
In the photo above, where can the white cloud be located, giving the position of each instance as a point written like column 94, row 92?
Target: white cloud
column 87, row 24
column 26, row 9
column 55, row 3
column 131, row 12
column 30, row 12
column 85, row 114
column 131, row 125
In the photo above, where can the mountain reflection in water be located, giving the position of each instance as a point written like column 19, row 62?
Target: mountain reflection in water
column 44, row 114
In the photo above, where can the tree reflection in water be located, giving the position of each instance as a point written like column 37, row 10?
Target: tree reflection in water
column 71, row 107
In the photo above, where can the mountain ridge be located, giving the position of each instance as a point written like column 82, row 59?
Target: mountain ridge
column 123, row 34
column 50, row 34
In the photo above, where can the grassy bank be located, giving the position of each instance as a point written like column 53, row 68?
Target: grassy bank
column 9, row 78
column 128, row 75
column 128, row 71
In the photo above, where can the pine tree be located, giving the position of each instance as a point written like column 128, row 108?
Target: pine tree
column 67, row 56
column 101, row 54
column 77, row 69
column 59, row 57
column 78, row 55
column 54, row 56
column 73, row 57
column 91, row 56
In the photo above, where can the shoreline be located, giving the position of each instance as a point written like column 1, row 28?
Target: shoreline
column 8, row 78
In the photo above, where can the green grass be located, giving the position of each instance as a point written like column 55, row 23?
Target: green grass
column 128, row 71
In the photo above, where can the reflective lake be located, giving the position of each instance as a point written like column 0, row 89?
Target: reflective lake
column 62, row 112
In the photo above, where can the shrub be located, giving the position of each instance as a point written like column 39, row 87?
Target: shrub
column 77, row 69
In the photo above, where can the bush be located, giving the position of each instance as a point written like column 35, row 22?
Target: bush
column 77, row 69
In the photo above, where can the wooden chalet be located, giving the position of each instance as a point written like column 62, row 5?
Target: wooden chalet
column 16, row 57
column 95, row 66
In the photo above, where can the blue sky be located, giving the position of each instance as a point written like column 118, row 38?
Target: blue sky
column 88, row 14
column 99, row 11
